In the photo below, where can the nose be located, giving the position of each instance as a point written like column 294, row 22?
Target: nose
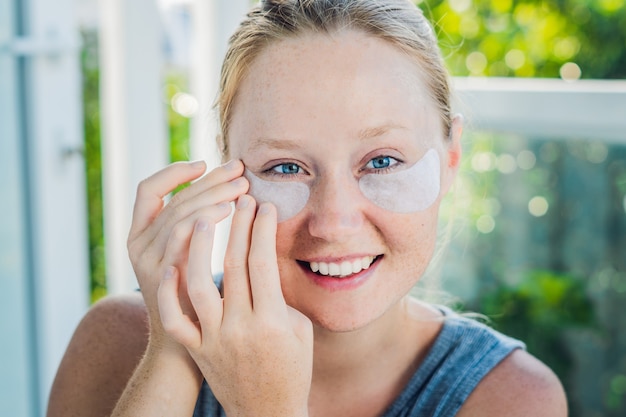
column 336, row 209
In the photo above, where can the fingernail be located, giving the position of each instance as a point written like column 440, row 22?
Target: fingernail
column 264, row 208
column 198, row 164
column 169, row 272
column 240, row 181
column 243, row 202
column 231, row 165
column 202, row 225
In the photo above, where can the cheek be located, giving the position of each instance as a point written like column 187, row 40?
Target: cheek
column 290, row 240
column 412, row 238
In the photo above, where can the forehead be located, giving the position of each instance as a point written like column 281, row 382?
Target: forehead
column 333, row 86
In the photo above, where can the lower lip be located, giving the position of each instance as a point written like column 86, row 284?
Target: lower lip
column 341, row 284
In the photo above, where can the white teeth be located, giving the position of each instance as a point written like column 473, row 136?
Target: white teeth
column 344, row 269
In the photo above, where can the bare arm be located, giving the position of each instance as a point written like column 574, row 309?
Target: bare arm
column 108, row 346
column 166, row 382
column 120, row 360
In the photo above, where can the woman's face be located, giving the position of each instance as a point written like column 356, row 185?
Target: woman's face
column 325, row 111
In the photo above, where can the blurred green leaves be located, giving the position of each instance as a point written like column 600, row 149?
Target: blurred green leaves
column 539, row 310
column 531, row 38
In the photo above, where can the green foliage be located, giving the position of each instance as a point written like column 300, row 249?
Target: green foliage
column 540, row 310
column 93, row 162
column 178, row 129
column 531, row 38
column 542, row 300
column 178, row 124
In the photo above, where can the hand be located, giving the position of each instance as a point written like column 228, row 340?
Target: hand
column 254, row 350
column 159, row 235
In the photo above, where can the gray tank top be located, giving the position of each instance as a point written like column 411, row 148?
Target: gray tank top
column 462, row 354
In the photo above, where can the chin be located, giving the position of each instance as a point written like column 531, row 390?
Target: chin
column 327, row 323
column 342, row 314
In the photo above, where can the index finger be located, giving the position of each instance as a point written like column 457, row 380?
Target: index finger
column 265, row 286
column 150, row 192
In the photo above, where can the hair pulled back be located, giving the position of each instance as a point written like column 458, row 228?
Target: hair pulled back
column 399, row 22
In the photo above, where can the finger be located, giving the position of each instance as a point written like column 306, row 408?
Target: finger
column 237, row 296
column 150, row 192
column 263, row 265
column 158, row 233
column 223, row 173
column 175, row 323
column 221, row 184
column 178, row 245
column 177, row 239
column 204, row 295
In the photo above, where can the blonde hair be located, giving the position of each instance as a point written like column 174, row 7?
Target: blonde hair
column 399, row 22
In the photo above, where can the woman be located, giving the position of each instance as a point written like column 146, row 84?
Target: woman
column 336, row 123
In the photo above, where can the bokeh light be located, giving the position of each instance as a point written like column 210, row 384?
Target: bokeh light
column 526, row 160
column 566, row 48
column 460, row 6
column 597, row 152
column 184, row 104
column 515, row 59
column 538, row 206
column 506, row 163
column 570, row 71
column 476, row 62
column 484, row 161
column 485, row 224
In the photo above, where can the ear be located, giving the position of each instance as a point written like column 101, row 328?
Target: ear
column 453, row 153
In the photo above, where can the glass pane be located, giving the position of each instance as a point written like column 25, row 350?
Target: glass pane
column 538, row 244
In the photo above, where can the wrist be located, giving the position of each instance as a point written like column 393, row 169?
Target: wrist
column 164, row 351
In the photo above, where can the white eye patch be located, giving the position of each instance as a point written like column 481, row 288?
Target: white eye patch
column 289, row 197
column 407, row 191
column 410, row 190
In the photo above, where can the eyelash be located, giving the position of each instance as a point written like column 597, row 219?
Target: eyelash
column 394, row 162
column 273, row 172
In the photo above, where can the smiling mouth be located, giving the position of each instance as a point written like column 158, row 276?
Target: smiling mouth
column 340, row 269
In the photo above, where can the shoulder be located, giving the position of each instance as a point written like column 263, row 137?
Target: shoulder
column 115, row 323
column 100, row 358
column 520, row 385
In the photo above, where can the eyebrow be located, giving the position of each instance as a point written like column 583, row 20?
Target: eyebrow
column 284, row 144
column 287, row 144
column 372, row 132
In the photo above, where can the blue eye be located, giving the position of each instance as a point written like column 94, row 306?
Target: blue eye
column 381, row 162
column 287, row 169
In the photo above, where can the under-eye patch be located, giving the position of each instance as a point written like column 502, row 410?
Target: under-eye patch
column 289, row 197
column 410, row 190
column 407, row 191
